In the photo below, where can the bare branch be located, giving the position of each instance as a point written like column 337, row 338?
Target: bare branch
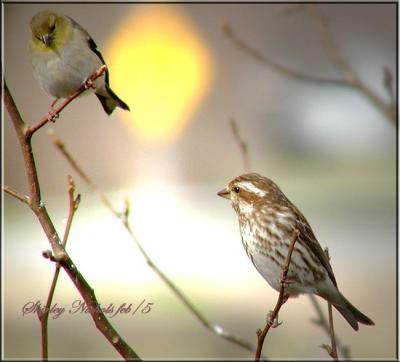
column 329, row 44
column 349, row 77
column 59, row 253
column 322, row 322
column 333, row 349
column 123, row 216
column 281, row 299
column 44, row 315
column 285, row 70
column 61, row 147
column 241, row 145
column 51, row 117
column 388, row 84
column 18, row 195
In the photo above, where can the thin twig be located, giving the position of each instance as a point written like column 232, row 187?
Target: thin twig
column 349, row 74
column 44, row 315
column 285, row 70
column 61, row 147
column 281, row 299
column 214, row 328
column 332, row 350
column 331, row 48
column 242, row 145
column 333, row 353
column 388, row 84
column 322, row 322
column 54, row 114
column 349, row 77
column 59, row 254
column 18, row 195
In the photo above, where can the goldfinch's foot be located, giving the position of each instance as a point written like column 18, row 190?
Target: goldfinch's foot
column 88, row 83
column 51, row 108
column 52, row 115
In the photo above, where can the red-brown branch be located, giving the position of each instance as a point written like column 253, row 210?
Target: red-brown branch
column 322, row 322
column 86, row 85
column 281, row 299
column 37, row 205
column 18, row 195
column 44, row 315
column 348, row 78
column 123, row 216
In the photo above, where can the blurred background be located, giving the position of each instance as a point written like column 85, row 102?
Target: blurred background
column 330, row 150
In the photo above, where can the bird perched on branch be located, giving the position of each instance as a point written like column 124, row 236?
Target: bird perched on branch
column 64, row 56
column 267, row 220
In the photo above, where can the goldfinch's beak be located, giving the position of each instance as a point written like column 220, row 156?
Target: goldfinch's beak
column 225, row 194
column 46, row 39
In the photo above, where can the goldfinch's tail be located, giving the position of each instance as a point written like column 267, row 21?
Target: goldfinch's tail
column 111, row 101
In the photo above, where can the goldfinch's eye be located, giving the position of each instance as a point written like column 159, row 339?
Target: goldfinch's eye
column 52, row 28
column 236, row 189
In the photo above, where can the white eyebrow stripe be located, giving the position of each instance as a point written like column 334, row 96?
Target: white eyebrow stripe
column 250, row 187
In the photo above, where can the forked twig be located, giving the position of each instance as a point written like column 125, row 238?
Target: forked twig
column 265, row 60
column 349, row 77
column 321, row 318
column 58, row 253
column 44, row 314
column 322, row 322
column 214, row 328
column 332, row 350
column 61, row 147
column 18, row 195
column 281, row 299
column 54, row 114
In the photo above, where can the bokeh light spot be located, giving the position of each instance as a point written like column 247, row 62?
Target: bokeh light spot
column 160, row 66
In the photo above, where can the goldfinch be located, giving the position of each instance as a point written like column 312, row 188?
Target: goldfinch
column 64, row 56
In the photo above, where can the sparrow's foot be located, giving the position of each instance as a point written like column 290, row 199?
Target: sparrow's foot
column 285, row 281
column 273, row 323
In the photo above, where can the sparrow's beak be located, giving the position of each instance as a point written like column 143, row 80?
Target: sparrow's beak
column 224, row 193
column 46, row 39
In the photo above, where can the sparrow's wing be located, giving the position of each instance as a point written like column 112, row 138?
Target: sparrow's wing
column 309, row 240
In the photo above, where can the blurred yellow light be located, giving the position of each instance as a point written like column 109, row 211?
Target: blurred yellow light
column 160, row 67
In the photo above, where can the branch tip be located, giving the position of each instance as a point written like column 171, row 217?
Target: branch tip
column 281, row 299
column 124, row 220
column 77, row 201
column 47, row 254
column 24, row 134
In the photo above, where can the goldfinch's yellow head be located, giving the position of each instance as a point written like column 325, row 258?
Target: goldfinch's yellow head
column 47, row 27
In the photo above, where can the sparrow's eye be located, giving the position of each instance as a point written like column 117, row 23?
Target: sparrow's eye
column 236, row 189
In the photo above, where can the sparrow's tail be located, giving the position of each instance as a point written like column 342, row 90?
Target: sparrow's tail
column 110, row 101
column 352, row 314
